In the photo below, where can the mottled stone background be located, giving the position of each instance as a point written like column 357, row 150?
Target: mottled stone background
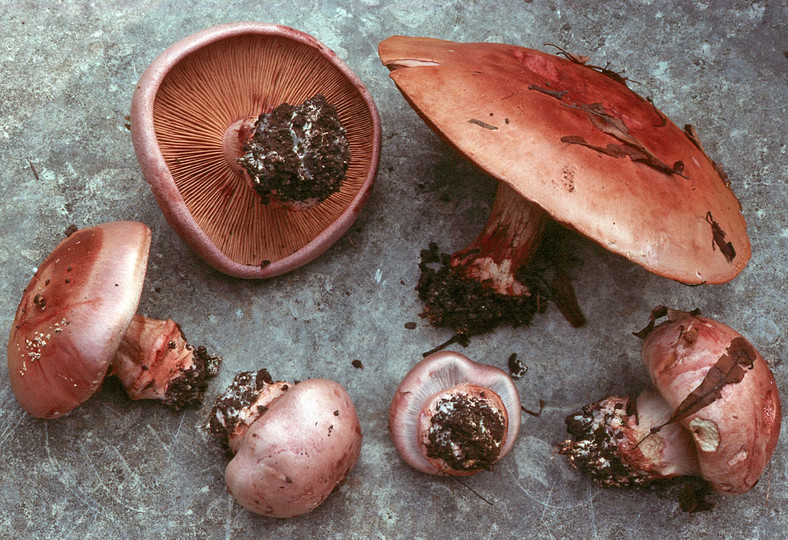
column 117, row 469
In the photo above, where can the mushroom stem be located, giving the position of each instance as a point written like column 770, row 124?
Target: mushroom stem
column 154, row 361
column 235, row 137
column 506, row 244
column 615, row 447
column 483, row 285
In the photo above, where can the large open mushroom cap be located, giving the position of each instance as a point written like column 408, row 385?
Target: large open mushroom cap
column 577, row 142
column 189, row 99
column 73, row 315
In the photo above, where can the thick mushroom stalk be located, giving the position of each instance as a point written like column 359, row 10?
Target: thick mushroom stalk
column 154, row 361
column 453, row 416
column 714, row 411
column 614, row 446
column 491, row 282
column 507, row 242
column 77, row 312
column 292, row 443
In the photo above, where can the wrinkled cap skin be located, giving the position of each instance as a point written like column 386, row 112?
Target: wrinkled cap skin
column 297, row 452
column 73, row 315
column 436, row 374
column 557, row 130
column 736, row 434
column 160, row 178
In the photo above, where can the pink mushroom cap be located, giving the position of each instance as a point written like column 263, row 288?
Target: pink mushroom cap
column 736, row 434
column 305, row 441
column 73, row 315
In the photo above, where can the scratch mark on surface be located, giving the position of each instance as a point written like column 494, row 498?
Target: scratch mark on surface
column 113, row 411
column 163, row 444
column 9, row 429
column 91, row 505
column 52, row 459
column 228, row 530
column 177, row 431
column 72, row 530
column 547, row 504
column 129, row 471
column 103, row 486
column 591, row 511
column 549, row 496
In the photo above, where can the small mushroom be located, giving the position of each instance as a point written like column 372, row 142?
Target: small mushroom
column 292, row 444
column 713, row 411
column 568, row 142
column 76, row 321
column 453, row 416
column 198, row 117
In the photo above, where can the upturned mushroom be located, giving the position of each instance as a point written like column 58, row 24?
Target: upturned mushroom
column 568, row 142
column 77, row 320
column 244, row 114
column 292, row 443
column 453, row 416
column 713, row 411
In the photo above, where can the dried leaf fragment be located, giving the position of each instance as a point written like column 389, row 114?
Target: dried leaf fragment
column 664, row 311
column 485, row 125
column 731, row 368
column 718, row 238
column 616, row 128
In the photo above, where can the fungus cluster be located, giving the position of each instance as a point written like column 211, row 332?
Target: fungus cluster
column 261, row 147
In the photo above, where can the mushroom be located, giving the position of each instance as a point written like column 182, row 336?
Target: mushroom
column 292, row 444
column 453, row 416
column 713, row 411
column 569, row 142
column 193, row 118
column 77, row 320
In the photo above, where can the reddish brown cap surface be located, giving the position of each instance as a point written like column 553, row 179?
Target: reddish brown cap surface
column 598, row 157
column 73, row 315
column 182, row 118
column 736, row 434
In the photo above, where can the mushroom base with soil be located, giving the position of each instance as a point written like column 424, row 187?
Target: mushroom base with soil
column 154, row 361
column 508, row 274
column 296, row 156
column 451, row 416
column 614, row 446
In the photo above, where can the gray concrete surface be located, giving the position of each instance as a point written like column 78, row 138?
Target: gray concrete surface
column 121, row 469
